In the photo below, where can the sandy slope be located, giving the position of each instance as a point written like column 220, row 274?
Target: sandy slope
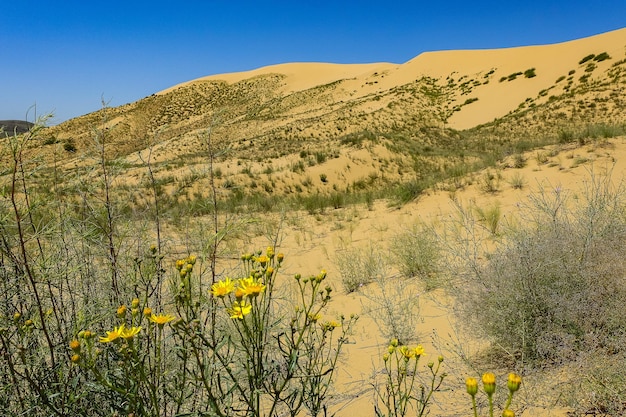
column 495, row 98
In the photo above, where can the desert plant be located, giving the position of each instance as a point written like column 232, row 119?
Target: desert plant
column 401, row 389
column 547, row 291
column 360, row 266
column 489, row 387
column 517, row 181
column 489, row 217
column 416, row 252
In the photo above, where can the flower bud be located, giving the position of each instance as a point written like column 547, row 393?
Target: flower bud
column 134, row 303
column 489, row 383
column 75, row 358
column 508, row 413
column 386, row 357
column 514, row 382
column 121, row 311
column 472, row 386
column 75, row 345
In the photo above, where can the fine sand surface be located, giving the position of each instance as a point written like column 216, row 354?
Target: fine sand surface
column 311, row 244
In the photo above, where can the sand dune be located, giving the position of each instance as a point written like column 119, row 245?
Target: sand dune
column 495, row 98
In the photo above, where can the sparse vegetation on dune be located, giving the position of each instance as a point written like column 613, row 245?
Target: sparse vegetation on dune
column 124, row 291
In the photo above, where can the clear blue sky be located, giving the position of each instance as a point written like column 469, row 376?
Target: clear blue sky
column 68, row 56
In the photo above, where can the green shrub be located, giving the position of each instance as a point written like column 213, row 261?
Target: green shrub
column 587, row 58
column 530, row 73
column 602, row 57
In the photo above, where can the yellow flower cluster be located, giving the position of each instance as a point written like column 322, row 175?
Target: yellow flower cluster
column 185, row 266
column 406, row 352
column 244, row 287
column 120, row 332
column 489, row 386
column 250, row 287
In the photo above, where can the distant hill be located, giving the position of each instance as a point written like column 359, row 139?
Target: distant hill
column 15, row 126
column 306, row 129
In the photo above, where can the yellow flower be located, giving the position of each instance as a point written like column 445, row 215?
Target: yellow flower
column 113, row 335
column 239, row 309
column 314, row 317
column 75, row 358
column 508, row 413
column 419, row 350
column 130, row 333
column 270, row 252
column 406, row 352
column 330, row 325
column 121, row 311
column 472, row 386
column 489, row 383
column 135, row 303
column 75, row 345
column 161, row 319
column 147, row 311
column 222, row 288
column 514, row 382
column 180, row 263
column 262, row 260
column 251, row 287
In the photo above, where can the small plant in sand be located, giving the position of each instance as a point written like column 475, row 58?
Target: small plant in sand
column 402, row 388
column 489, row 387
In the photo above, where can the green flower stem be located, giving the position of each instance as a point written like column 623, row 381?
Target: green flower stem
column 474, row 406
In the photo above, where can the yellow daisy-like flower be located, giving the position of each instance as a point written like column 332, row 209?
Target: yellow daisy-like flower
column 262, row 260
column 113, row 335
column 330, row 325
column 419, row 350
column 314, row 317
column 251, row 287
column 222, row 288
column 130, row 333
column 161, row 319
column 75, row 358
column 239, row 309
column 407, row 352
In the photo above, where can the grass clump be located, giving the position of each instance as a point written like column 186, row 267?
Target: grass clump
column 359, row 267
column 416, row 253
